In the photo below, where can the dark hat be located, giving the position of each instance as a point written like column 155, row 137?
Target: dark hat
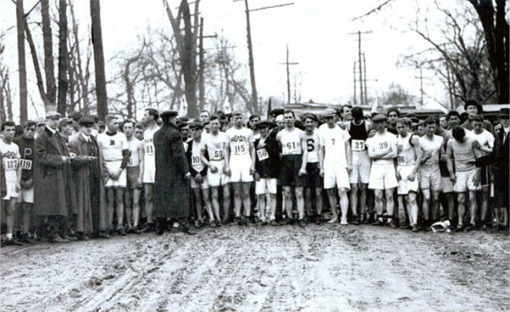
column 473, row 103
column 64, row 121
column 277, row 111
column 379, row 117
column 169, row 113
column 86, row 121
column 76, row 116
column 262, row 124
column 196, row 125
column 52, row 114
column 101, row 123
column 504, row 112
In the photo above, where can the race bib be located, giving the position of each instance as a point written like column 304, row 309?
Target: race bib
column 149, row 149
column 290, row 148
column 240, row 148
column 262, row 154
column 11, row 164
column 358, row 145
column 401, row 160
column 195, row 160
column 130, row 164
column 26, row 164
column 217, row 155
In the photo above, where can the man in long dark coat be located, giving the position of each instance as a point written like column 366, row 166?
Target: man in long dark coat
column 50, row 178
column 88, row 183
column 171, row 193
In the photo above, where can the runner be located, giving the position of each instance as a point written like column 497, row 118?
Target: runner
column 294, row 155
column 199, row 182
column 11, row 158
column 149, row 164
column 115, row 149
column 240, row 165
column 466, row 177
column 358, row 130
column 134, row 175
column 313, row 184
column 430, row 174
column 266, row 165
column 382, row 149
column 484, row 144
column 408, row 162
column 26, row 198
column 215, row 144
column 335, row 158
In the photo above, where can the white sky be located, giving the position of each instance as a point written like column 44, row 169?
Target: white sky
column 317, row 32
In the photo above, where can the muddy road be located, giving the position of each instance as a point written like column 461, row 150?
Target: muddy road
column 287, row 268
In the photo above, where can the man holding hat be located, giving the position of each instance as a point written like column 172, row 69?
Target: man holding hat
column 88, row 183
column 382, row 149
column 171, row 188
column 50, row 178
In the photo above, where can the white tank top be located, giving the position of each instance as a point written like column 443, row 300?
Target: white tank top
column 134, row 160
column 406, row 155
column 291, row 141
column 149, row 160
column 312, row 143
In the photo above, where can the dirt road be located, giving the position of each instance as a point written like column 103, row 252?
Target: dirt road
column 319, row 268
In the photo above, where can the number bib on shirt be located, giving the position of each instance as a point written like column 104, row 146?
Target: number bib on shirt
column 290, row 148
column 262, row 154
column 11, row 164
column 26, row 164
column 239, row 148
column 358, row 145
column 401, row 160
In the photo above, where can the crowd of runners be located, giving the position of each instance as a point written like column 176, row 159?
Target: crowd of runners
column 76, row 178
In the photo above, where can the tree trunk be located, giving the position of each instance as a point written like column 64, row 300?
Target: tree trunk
column 20, row 19
column 62, row 58
column 37, row 68
column 97, row 41
column 49, row 68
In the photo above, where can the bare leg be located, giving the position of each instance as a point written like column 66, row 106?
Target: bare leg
column 110, row 199
column 378, row 194
column 344, row 204
column 485, row 203
column 226, row 201
column 332, row 202
column 435, row 205
column 272, row 204
column 412, row 208
column 363, row 198
column 354, row 200
column 287, row 194
column 207, row 202
column 128, row 207
column 390, row 202
column 136, row 207
column 149, row 201
column 300, row 199
column 198, row 203
column 401, row 212
column 461, row 208
column 215, row 203
column 237, row 198
column 473, row 207
column 119, row 197
column 318, row 200
column 27, row 210
column 425, row 205
column 246, row 197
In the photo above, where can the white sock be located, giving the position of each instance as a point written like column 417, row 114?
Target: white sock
column 9, row 236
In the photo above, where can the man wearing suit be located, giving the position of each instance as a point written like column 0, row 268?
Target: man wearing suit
column 50, row 178
column 501, row 174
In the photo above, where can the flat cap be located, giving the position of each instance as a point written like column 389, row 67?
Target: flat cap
column 64, row 121
column 379, row 117
column 86, row 121
column 277, row 111
column 262, row 124
column 329, row 112
column 76, row 116
column 504, row 112
column 169, row 113
column 52, row 114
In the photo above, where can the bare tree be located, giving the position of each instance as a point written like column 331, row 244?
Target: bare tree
column 97, row 41
column 20, row 18
column 62, row 58
column 49, row 68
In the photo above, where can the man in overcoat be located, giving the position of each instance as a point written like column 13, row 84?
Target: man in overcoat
column 87, row 165
column 171, row 196
column 50, row 173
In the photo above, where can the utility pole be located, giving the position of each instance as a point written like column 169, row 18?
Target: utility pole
column 288, row 63
column 250, row 48
column 201, row 89
column 354, row 81
column 359, row 33
column 365, row 79
column 421, row 86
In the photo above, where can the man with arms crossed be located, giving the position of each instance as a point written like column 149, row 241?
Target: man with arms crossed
column 382, row 149
column 134, row 175
column 149, row 164
column 408, row 162
column 335, row 159
column 294, row 155
column 466, row 176
column 216, row 145
column 240, row 165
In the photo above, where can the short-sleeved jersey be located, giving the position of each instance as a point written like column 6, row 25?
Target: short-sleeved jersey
column 240, row 141
column 463, row 153
column 196, row 160
column 485, row 139
column 26, row 149
column 215, row 145
column 382, row 142
column 10, row 155
column 312, row 145
column 406, row 155
column 149, row 155
column 333, row 140
column 433, row 147
column 134, row 145
column 112, row 145
column 290, row 141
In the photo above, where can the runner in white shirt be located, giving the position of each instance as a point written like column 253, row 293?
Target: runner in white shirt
column 294, row 155
column 382, row 149
column 115, row 150
column 10, row 158
column 313, row 184
column 408, row 162
column 240, row 165
column 335, row 158
column 134, row 177
column 149, row 164
column 215, row 145
column 484, row 143
column 430, row 173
